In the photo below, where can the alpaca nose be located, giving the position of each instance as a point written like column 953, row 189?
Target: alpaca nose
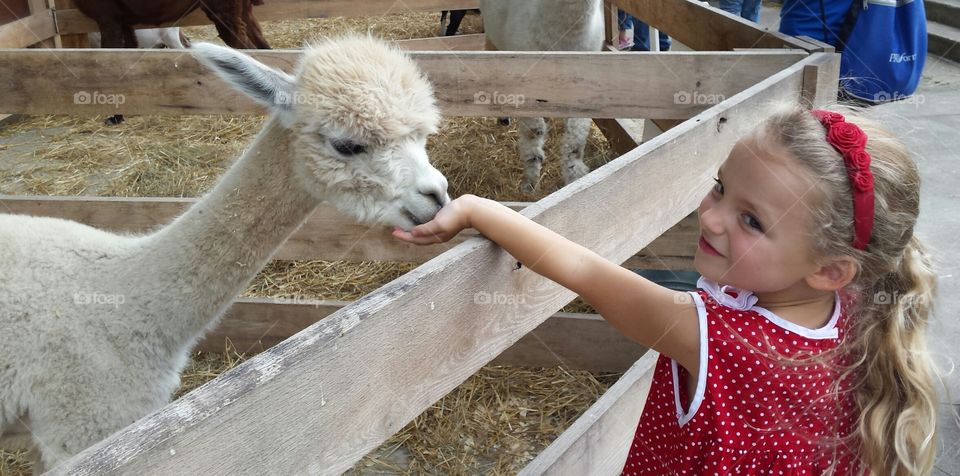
column 433, row 186
column 439, row 197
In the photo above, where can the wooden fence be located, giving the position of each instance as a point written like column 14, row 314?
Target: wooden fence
column 352, row 374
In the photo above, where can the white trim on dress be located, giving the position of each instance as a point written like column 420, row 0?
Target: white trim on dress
column 684, row 417
column 746, row 301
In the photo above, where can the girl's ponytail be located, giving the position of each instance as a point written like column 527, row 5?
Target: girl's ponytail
column 894, row 387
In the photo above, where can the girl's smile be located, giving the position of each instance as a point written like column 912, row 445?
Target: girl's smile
column 755, row 223
column 707, row 248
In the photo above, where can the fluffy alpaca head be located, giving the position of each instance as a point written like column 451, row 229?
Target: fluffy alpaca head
column 359, row 111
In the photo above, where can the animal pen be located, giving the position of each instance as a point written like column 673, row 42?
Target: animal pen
column 337, row 379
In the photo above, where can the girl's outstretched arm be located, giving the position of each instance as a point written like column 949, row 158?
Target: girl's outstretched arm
column 655, row 316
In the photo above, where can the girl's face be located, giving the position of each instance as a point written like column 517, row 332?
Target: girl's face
column 755, row 223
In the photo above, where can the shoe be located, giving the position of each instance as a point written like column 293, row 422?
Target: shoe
column 626, row 39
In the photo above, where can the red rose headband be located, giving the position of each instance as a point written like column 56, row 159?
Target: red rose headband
column 850, row 140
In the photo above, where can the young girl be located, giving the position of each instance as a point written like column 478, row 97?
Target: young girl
column 803, row 352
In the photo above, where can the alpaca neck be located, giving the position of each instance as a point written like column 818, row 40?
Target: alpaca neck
column 207, row 256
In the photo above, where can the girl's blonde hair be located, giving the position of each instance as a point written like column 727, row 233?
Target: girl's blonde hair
column 890, row 368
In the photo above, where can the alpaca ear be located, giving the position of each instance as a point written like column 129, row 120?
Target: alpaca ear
column 268, row 86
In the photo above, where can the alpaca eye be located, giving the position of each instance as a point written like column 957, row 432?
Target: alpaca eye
column 347, row 147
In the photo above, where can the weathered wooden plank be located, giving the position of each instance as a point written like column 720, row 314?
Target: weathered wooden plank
column 703, row 28
column 24, row 32
column 326, row 235
column 623, row 135
column 472, row 42
column 662, row 262
column 319, row 401
column 43, row 6
column 575, row 341
column 818, row 45
column 467, row 83
column 74, row 21
column 598, row 442
column 819, row 90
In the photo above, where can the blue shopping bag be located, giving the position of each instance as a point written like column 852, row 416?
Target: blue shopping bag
column 883, row 56
column 883, row 43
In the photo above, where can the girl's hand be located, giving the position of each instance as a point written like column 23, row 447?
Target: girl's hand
column 452, row 219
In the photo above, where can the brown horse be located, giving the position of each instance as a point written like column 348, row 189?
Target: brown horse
column 115, row 18
column 233, row 18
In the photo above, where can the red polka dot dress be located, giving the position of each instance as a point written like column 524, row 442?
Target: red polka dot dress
column 751, row 412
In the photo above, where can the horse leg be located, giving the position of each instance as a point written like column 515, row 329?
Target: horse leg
column 456, row 17
column 230, row 27
column 130, row 37
column 254, row 33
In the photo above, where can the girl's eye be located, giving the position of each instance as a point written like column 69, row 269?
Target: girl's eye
column 752, row 222
column 347, row 147
column 718, row 187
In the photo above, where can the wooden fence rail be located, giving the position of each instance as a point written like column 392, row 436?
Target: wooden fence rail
column 705, row 28
column 552, row 84
column 322, row 399
column 598, row 442
column 326, row 235
column 253, row 325
column 26, row 31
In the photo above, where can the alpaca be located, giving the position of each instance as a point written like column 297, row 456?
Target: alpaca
column 96, row 327
column 233, row 19
column 169, row 37
column 546, row 25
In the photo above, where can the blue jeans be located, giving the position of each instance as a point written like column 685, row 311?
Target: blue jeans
column 641, row 32
column 624, row 20
column 641, row 36
column 749, row 9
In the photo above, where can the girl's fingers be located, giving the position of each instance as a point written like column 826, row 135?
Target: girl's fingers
column 399, row 233
column 418, row 239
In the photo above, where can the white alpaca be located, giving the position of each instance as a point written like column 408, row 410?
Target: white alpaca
column 147, row 38
column 95, row 327
column 546, row 25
